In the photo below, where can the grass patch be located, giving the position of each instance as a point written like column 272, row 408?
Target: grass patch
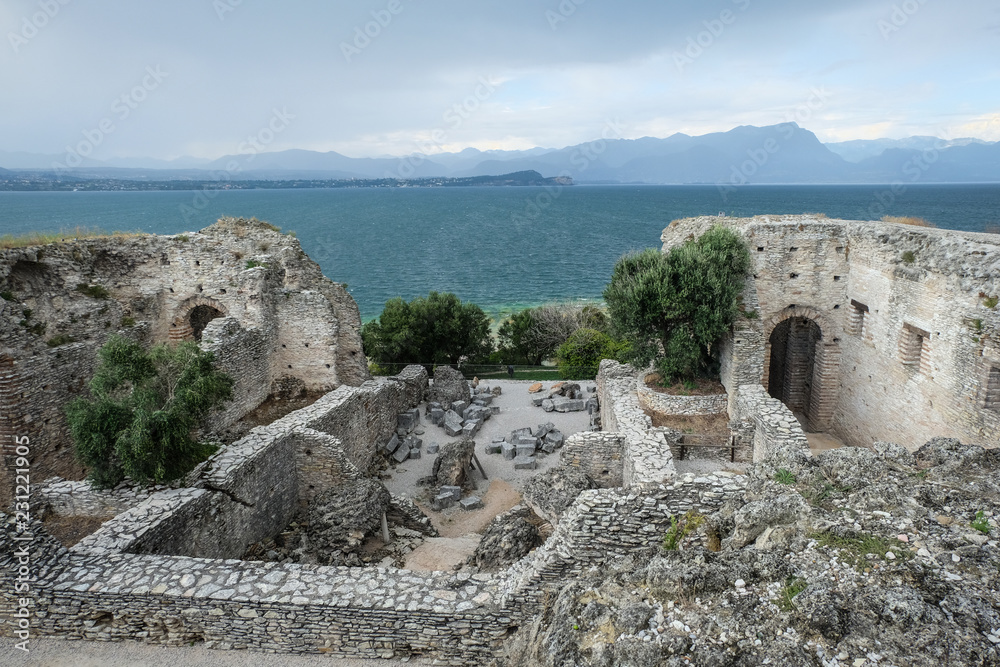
column 909, row 257
column 991, row 301
column 7, row 295
column 128, row 322
column 29, row 239
column 981, row 523
column 679, row 529
column 908, row 220
column 793, row 586
column 253, row 264
column 60, row 339
column 93, row 291
column 856, row 550
column 784, row 476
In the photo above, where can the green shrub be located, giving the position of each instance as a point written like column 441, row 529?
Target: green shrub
column 7, row 295
column 989, row 302
column 143, row 408
column 60, row 339
column 793, row 586
column 679, row 529
column 579, row 357
column 981, row 523
column 93, row 291
column 909, row 257
column 183, row 238
column 128, row 322
column 253, row 264
column 784, row 476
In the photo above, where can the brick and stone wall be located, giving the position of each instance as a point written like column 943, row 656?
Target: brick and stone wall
column 598, row 453
column 907, row 338
column 277, row 320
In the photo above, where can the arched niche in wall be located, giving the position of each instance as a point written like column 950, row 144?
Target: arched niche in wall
column 193, row 316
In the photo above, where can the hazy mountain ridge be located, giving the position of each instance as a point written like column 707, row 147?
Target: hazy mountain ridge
column 783, row 153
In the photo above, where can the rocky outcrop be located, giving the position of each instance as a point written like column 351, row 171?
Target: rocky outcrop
column 340, row 519
column 552, row 492
column 862, row 557
column 508, row 538
column 451, row 467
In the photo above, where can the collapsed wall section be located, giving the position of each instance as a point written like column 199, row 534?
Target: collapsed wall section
column 239, row 287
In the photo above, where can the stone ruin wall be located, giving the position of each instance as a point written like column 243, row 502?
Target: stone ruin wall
column 118, row 583
column 279, row 321
column 908, row 348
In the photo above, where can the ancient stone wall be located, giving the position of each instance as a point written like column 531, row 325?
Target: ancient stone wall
column 280, row 319
column 648, row 461
column 765, row 425
column 668, row 404
column 907, row 337
column 599, row 454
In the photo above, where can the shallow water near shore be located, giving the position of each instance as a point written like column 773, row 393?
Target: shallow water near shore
column 501, row 248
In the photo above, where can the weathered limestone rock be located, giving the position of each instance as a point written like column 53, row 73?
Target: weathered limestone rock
column 553, row 491
column 508, row 538
column 448, row 387
column 452, row 423
column 452, row 464
column 535, row 388
column 522, row 462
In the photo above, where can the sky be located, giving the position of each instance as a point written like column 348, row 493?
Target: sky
column 130, row 78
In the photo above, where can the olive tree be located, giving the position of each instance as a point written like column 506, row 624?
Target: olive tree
column 673, row 308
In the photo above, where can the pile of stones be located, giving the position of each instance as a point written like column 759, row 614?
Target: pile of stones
column 564, row 397
column 464, row 417
column 405, row 443
column 522, row 444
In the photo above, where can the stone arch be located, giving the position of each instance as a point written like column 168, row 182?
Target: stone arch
column 192, row 317
column 802, row 365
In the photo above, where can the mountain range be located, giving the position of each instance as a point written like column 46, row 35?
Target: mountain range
column 783, row 153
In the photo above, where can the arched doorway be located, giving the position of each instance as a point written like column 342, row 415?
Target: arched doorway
column 802, row 366
column 192, row 318
column 200, row 317
column 792, row 363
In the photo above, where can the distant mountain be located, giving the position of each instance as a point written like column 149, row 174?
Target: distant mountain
column 783, row 153
column 862, row 149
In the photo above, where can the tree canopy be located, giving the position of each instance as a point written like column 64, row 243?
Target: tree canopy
column 579, row 357
column 144, row 407
column 672, row 308
column 438, row 329
column 535, row 334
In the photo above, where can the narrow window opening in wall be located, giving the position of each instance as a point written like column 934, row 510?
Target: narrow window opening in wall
column 760, row 249
column 836, row 279
column 914, row 348
column 328, row 365
column 993, row 389
column 793, row 275
column 282, row 345
column 858, row 323
column 837, row 307
column 197, row 263
column 222, row 291
column 289, row 365
column 793, row 250
column 307, row 344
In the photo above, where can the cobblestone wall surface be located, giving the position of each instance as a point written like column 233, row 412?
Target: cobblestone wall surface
column 598, row 453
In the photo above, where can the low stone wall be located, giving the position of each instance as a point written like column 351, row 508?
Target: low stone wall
column 667, row 404
column 597, row 453
column 250, row 490
column 607, row 524
column 766, row 424
column 66, row 498
column 648, row 461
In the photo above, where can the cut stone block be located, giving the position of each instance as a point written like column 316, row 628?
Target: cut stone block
column 413, row 442
column 442, row 501
column 548, row 405
column 391, row 446
column 454, row 491
column 471, row 503
column 433, row 448
column 525, row 463
column 452, row 423
column 494, row 409
column 437, row 416
column 470, row 429
column 569, row 405
column 458, row 407
column 593, row 406
column 408, row 420
column 508, row 450
column 548, row 447
column 538, row 400
column 543, row 429
column 493, row 448
column 401, row 454
column 526, row 440
column 556, row 438
column 526, row 450
column 414, row 453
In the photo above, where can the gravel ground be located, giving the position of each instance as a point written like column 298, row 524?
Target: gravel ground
column 51, row 652
column 516, row 411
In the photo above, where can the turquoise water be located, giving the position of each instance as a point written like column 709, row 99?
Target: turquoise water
column 501, row 248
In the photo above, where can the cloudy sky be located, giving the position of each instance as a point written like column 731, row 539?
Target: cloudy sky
column 375, row 77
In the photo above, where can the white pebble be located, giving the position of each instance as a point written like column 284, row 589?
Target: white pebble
column 955, row 558
column 740, row 583
column 890, row 556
